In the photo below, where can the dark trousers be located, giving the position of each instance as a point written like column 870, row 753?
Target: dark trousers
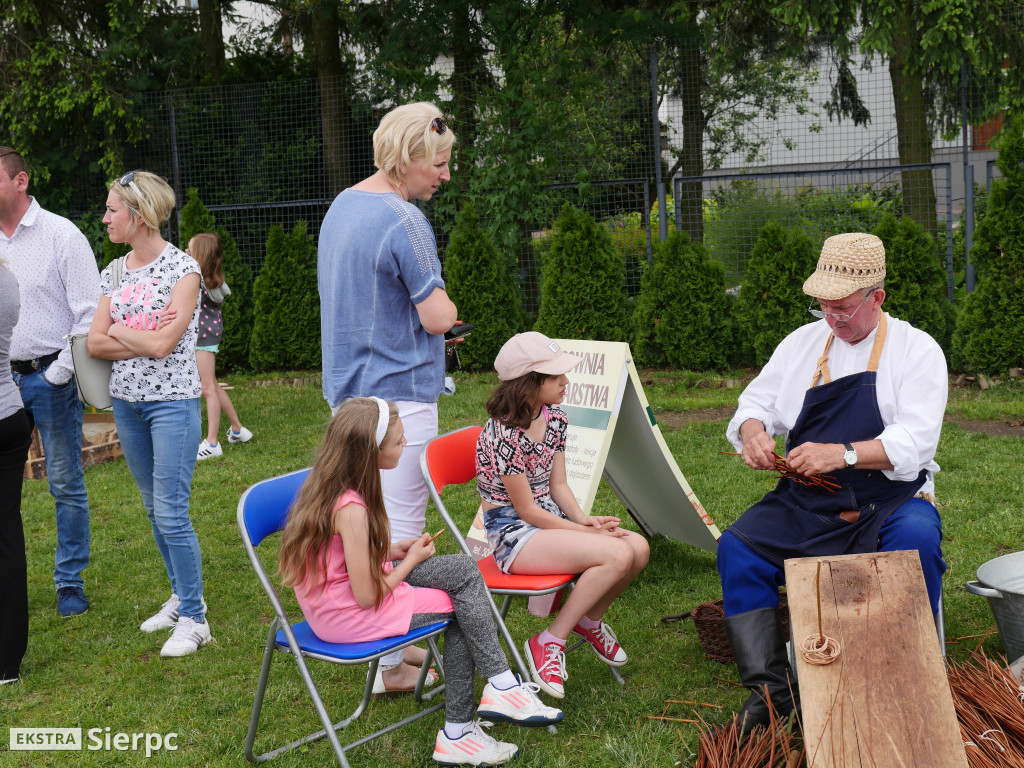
column 15, row 436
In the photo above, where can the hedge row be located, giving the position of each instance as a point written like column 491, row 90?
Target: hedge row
column 684, row 317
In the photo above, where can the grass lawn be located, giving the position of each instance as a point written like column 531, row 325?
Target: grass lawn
column 100, row 671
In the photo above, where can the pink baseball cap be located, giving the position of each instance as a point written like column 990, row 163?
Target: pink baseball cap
column 532, row 351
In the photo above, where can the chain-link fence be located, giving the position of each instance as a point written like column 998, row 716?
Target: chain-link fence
column 737, row 149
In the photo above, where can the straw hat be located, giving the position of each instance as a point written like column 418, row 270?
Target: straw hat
column 848, row 263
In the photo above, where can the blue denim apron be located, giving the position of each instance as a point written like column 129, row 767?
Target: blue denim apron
column 795, row 520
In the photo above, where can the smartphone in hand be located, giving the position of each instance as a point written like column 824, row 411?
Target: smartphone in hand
column 457, row 331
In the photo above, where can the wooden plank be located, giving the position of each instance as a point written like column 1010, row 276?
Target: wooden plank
column 825, row 716
column 885, row 701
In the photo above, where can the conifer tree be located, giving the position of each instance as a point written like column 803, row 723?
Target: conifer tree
column 583, row 285
column 681, row 318
column 989, row 335
column 286, row 332
column 482, row 283
column 772, row 302
column 915, row 283
column 237, row 310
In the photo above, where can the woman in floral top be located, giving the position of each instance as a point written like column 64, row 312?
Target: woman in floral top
column 534, row 523
column 147, row 323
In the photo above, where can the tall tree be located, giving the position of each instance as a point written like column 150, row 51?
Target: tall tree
column 326, row 31
column 212, row 34
column 924, row 44
column 70, row 70
column 727, row 62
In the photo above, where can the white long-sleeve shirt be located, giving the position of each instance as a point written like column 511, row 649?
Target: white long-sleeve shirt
column 60, row 287
column 911, row 390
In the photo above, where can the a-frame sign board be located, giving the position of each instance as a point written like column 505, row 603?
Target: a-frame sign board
column 612, row 432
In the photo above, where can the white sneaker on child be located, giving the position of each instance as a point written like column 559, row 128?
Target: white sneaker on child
column 188, row 637
column 474, row 747
column 519, row 704
column 242, row 436
column 207, row 451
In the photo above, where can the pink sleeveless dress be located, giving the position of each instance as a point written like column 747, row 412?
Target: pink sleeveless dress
column 334, row 614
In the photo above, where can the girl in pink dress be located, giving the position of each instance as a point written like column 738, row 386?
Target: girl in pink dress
column 349, row 579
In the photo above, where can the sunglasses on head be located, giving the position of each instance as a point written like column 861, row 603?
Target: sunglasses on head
column 128, row 180
column 439, row 125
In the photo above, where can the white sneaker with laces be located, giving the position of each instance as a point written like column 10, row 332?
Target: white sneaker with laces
column 188, row 637
column 167, row 616
column 242, row 436
column 474, row 747
column 207, row 451
column 519, row 704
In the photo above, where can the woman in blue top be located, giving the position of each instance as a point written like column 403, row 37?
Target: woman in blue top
column 384, row 309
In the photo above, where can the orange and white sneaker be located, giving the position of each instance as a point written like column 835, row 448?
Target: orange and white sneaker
column 547, row 666
column 602, row 639
column 474, row 747
column 519, row 704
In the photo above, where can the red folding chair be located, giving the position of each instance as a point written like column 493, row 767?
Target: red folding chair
column 450, row 459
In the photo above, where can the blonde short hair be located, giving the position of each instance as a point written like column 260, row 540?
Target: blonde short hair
column 406, row 133
column 148, row 197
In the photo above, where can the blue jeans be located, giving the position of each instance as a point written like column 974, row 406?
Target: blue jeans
column 159, row 440
column 57, row 413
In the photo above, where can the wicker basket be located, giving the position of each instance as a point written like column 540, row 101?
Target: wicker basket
column 709, row 619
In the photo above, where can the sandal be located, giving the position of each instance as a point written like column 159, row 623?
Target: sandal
column 380, row 689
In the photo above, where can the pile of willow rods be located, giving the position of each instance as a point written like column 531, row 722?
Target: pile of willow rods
column 825, row 482
column 989, row 704
column 774, row 746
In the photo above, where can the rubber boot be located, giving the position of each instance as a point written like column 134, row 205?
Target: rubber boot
column 760, row 651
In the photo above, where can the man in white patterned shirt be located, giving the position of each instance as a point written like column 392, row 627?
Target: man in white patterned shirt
column 60, row 287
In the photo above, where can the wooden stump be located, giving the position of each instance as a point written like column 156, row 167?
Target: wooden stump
column 885, row 702
column 99, row 444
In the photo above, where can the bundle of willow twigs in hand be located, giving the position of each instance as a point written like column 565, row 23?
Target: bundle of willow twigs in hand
column 826, row 482
column 990, row 709
column 774, row 746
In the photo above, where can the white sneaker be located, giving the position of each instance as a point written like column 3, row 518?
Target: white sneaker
column 474, row 747
column 242, row 436
column 188, row 637
column 207, row 451
column 167, row 616
column 519, row 704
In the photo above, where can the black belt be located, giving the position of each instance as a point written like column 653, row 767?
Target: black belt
column 25, row 367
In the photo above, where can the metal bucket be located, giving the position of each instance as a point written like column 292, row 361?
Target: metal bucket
column 1002, row 581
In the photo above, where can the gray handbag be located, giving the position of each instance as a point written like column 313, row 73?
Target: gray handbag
column 92, row 374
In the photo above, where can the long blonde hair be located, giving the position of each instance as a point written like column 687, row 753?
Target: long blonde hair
column 347, row 459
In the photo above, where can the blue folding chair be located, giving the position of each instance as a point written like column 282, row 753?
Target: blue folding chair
column 262, row 511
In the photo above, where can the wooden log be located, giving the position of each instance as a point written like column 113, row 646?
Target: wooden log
column 99, row 444
column 885, row 702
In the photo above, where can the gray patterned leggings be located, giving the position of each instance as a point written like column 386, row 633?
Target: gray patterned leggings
column 471, row 641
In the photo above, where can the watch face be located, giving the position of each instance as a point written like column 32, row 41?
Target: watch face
column 850, row 457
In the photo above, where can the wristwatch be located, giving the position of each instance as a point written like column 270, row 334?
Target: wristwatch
column 850, row 457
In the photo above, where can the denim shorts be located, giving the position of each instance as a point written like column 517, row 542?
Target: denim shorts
column 507, row 533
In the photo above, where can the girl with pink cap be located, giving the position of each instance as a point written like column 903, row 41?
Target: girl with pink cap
column 534, row 523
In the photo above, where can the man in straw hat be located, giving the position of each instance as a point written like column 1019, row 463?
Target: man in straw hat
column 860, row 397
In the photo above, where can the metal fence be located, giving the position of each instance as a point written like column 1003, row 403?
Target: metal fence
column 258, row 157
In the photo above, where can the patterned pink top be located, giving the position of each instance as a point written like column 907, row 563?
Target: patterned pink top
column 502, row 450
column 333, row 613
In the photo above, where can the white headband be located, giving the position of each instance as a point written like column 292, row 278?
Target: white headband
column 383, row 417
